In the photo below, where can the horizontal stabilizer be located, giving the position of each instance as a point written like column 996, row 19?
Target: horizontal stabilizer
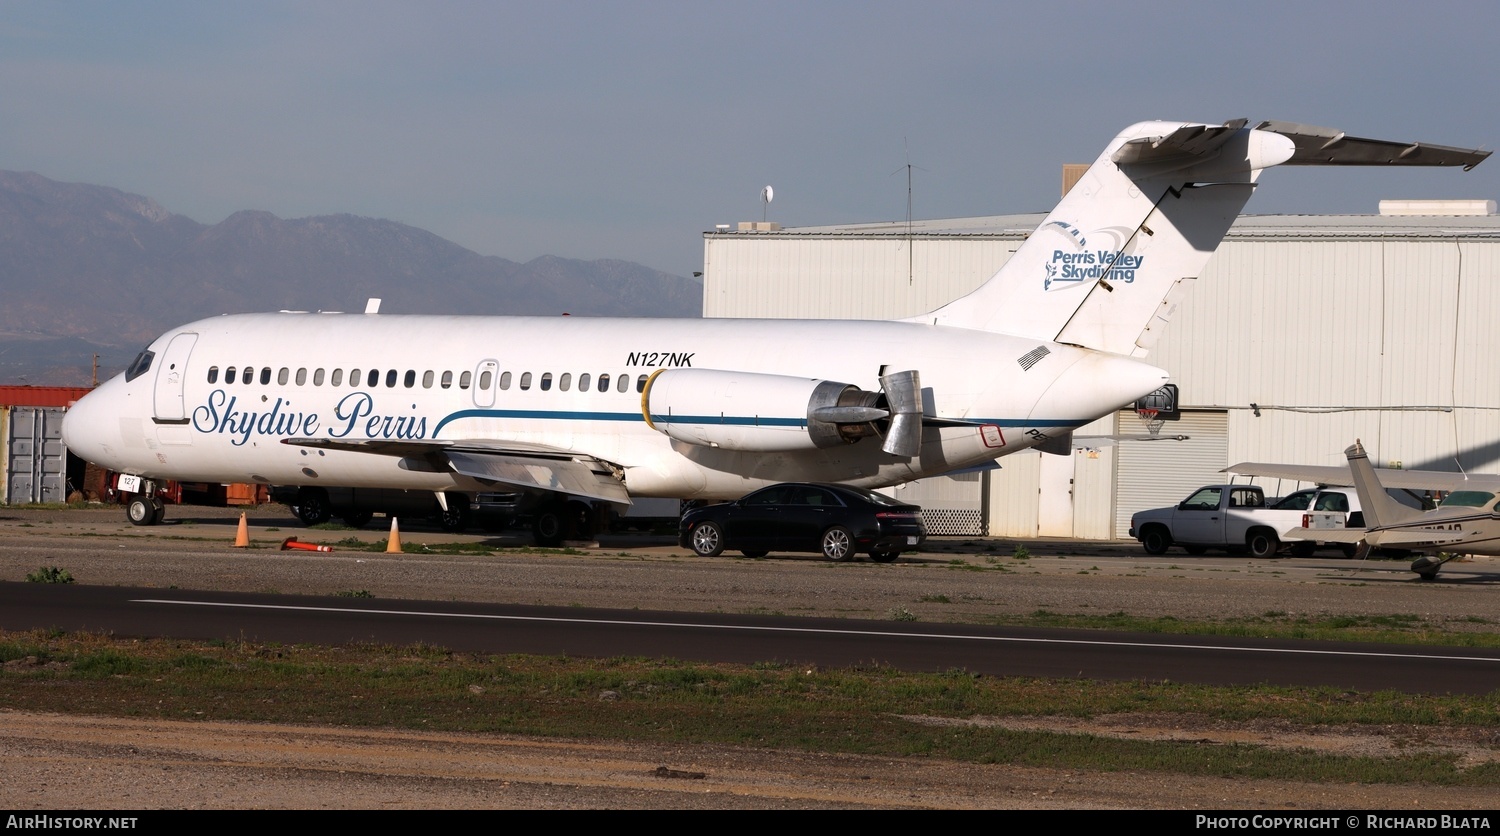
column 1325, row 535
column 1188, row 140
column 1326, row 146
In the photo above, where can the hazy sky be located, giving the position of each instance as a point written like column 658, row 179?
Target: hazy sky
column 625, row 129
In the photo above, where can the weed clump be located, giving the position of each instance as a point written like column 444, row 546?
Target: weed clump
column 49, row 574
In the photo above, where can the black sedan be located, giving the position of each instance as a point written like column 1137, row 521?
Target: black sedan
column 837, row 520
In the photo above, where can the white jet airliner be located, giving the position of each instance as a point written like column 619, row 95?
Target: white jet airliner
column 613, row 408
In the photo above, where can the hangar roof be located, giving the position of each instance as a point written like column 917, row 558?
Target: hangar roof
column 1246, row 227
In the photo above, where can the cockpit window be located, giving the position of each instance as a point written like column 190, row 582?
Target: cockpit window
column 141, row 365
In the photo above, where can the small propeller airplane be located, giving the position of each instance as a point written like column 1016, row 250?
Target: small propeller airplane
column 1466, row 522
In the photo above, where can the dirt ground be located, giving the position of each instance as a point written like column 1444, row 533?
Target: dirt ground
column 54, row 761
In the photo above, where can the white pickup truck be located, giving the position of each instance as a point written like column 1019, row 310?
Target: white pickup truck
column 1236, row 517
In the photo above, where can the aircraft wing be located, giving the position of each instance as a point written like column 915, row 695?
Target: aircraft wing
column 1436, row 480
column 521, row 464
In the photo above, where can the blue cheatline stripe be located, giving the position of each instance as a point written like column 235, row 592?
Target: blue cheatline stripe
column 732, row 420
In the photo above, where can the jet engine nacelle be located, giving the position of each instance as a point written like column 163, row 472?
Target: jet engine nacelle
column 762, row 413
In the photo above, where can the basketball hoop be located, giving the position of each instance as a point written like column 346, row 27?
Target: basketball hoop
column 1149, row 417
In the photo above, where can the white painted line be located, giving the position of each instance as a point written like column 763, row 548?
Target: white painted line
column 828, row 631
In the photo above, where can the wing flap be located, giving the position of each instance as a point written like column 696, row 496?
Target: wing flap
column 522, row 464
column 571, row 477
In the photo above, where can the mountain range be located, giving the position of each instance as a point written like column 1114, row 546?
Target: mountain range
column 90, row 270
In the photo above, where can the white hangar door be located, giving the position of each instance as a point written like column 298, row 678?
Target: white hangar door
column 1155, row 474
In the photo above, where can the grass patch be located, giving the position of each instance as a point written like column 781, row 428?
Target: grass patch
column 1395, row 629
column 861, row 710
column 49, row 574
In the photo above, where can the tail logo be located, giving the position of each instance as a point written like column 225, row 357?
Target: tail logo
column 1072, row 263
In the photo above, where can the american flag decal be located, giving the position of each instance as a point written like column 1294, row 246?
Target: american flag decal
column 1032, row 357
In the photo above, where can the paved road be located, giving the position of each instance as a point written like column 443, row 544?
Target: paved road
column 493, row 628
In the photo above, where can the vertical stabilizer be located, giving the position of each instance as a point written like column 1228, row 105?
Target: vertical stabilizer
column 1378, row 507
column 1108, row 267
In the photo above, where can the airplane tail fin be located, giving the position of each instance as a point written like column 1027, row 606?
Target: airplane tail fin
column 1378, row 507
column 1109, row 266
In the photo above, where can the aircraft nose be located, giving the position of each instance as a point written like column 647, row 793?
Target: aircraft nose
column 1098, row 384
column 87, row 427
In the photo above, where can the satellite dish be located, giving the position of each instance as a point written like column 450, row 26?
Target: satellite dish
column 767, row 194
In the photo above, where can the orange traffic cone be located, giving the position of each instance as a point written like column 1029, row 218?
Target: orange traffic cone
column 393, row 546
column 291, row 543
column 242, row 536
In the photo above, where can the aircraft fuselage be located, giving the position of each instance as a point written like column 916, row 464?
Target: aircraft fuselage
column 223, row 393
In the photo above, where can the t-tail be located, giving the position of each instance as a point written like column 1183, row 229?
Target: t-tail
column 1379, row 508
column 1109, row 266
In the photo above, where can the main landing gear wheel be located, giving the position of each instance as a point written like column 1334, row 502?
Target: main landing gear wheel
column 141, row 510
column 838, row 544
column 549, row 525
column 708, row 539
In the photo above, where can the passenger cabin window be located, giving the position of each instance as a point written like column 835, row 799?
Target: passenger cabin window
column 505, row 380
column 447, row 382
column 427, row 379
column 354, row 377
column 565, row 381
column 337, row 379
column 229, row 374
column 525, row 381
column 372, row 379
column 213, row 374
column 484, row 380
column 623, row 383
column 603, row 383
column 583, row 382
column 265, row 376
column 546, row 382
column 302, row 377
column 463, row 380
column 318, row 377
column 640, row 383
column 283, row 376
